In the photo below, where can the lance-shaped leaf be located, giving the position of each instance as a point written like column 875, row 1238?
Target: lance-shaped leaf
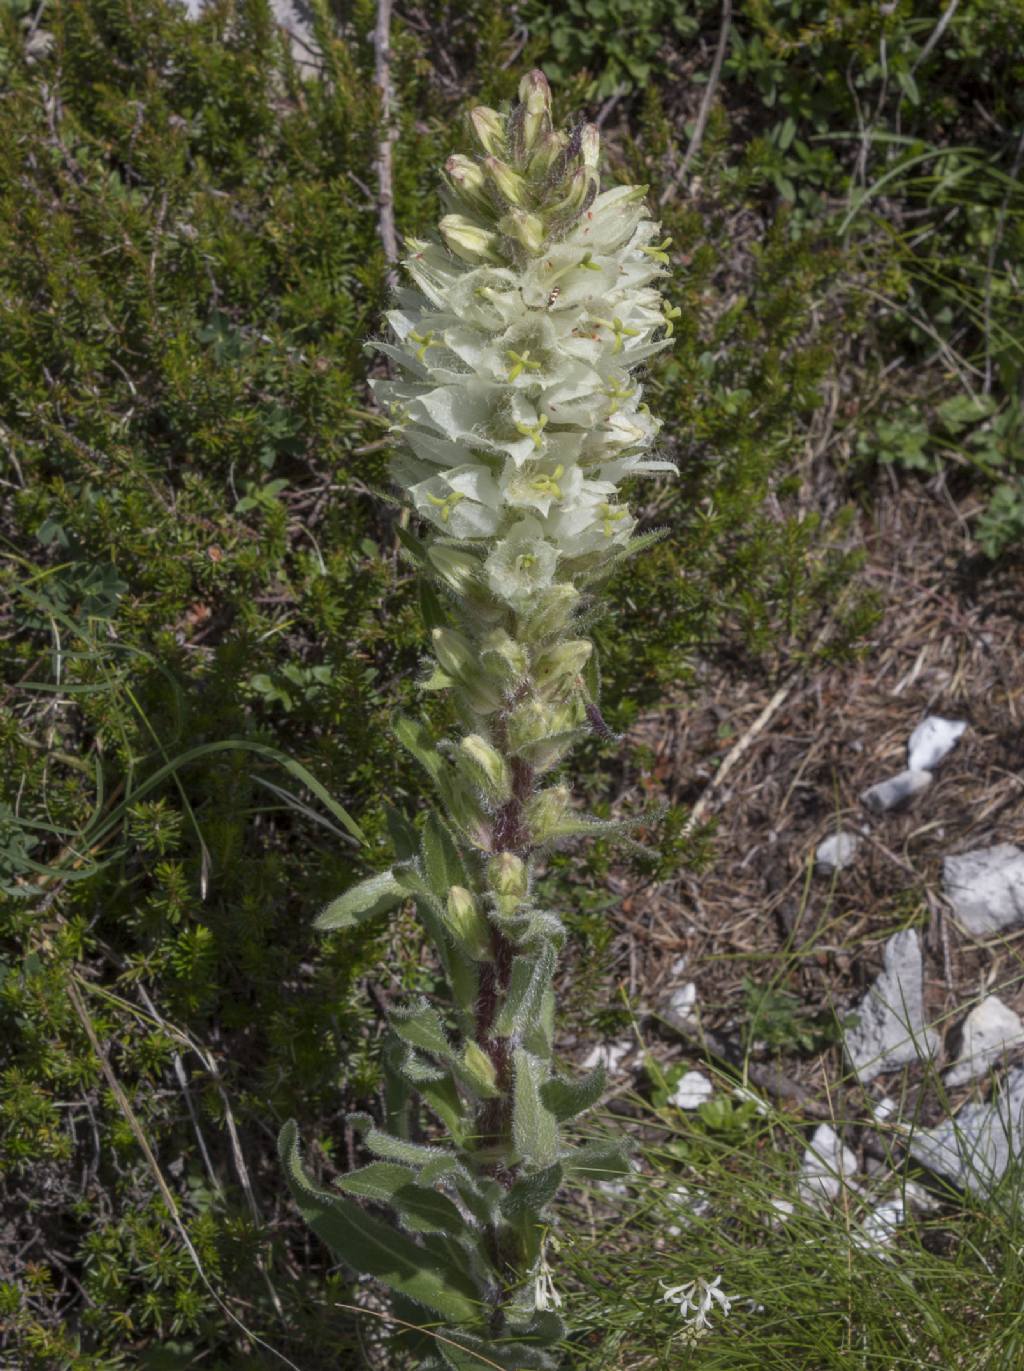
column 534, row 1128
column 417, row 739
column 458, row 798
column 420, row 1207
column 635, row 545
column 442, row 865
column 598, row 1161
column 375, row 895
column 419, row 1071
column 420, row 1025
column 545, row 1329
column 464, row 1352
column 459, row 969
column 530, row 978
column 481, row 1196
column 402, row 833
column 540, row 1036
column 529, row 1194
column 431, row 607
column 443, row 1098
column 425, row 1211
column 566, row 1099
column 411, row 545
column 378, row 1181
column 370, row 1246
column 385, row 1145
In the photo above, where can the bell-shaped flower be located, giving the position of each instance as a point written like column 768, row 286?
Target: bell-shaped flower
column 522, row 564
column 464, row 502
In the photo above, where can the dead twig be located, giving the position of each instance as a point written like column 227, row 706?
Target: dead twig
column 705, row 105
column 385, row 193
column 737, row 750
column 171, row 1204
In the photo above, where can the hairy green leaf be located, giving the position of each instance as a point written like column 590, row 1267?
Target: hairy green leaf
column 375, row 895
column 370, row 1246
column 566, row 1099
column 534, row 1128
column 530, row 978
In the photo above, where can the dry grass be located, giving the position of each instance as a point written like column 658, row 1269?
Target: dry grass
column 950, row 642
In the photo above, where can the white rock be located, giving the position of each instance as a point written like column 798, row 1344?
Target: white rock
column 884, row 1109
column 974, row 1149
column 895, row 791
column 747, row 1096
column 918, row 1197
column 986, row 888
column 688, row 1206
column 682, row 1001
column 891, row 1030
column 292, row 15
column 989, row 1030
column 608, row 1055
column 784, row 1209
column 878, row 1228
column 692, row 1089
column 827, row 1165
column 931, row 740
column 837, row 851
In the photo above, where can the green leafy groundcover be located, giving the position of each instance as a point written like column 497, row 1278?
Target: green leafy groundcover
column 208, row 624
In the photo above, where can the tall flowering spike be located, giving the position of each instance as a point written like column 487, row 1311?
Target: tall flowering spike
column 519, row 405
column 520, row 347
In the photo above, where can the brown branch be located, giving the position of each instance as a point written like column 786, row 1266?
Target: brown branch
column 385, row 194
column 705, row 104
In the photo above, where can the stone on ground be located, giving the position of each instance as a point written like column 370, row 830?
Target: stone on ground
column 608, row 1055
column 891, row 1030
column 682, row 1003
column 990, row 1029
column 931, row 740
column 896, row 791
column 974, row 1149
column 692, row 1089
column 827, row 1165
column 986, row 888
column 836, row 852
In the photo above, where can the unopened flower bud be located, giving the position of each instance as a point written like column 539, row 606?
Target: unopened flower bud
column 467, row 924
column 530, row 722
column 488, row 766
column 454, row 653
column 590, row 145
column 480, row 1070
column 526, row 229
column 468, row 240
column 581, row 195
column 535, row 93
column 489, row 128
column 562, row 663
column 458, row 569
column 545, row 812
column 509, row 184
column 467, row 180
column 550, row 147
column 551, row 611
column 508, row 876
column 503, row 656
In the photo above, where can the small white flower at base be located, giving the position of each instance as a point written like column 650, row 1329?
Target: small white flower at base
column 696, row 1300
column 545, row 1296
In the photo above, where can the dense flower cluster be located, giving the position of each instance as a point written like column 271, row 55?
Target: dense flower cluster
column 518, row 347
